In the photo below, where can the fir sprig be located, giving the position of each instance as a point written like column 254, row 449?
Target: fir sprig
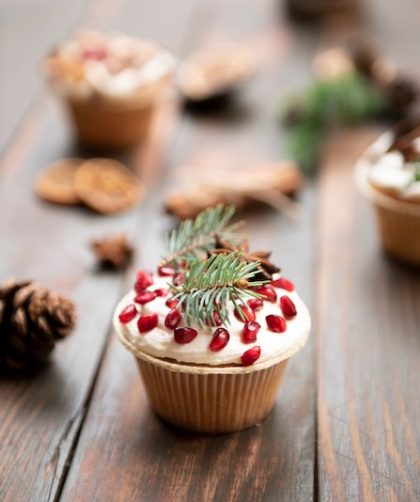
column 209, row 285
column 416, row 174
column 195, row 237
column 348, row 99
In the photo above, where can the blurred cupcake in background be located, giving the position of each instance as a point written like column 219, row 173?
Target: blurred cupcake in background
column 389, row 175
column 111, row 84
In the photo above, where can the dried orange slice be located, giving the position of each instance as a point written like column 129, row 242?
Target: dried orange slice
column 107, row 186
column 56, row 183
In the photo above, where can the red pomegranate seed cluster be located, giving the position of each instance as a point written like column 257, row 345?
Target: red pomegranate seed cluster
column 220, row 338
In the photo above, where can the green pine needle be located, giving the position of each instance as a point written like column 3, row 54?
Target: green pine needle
column 349, row 99
column 195, row 237
column 209, row 285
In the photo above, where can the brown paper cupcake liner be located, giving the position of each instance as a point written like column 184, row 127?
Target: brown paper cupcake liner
column 211, row 399
column 213, row 402
column 106, row 125
column 398, row 221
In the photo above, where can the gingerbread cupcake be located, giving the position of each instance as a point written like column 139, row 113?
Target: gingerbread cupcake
column 110, row 84
column 389, row 176
column 212, row 329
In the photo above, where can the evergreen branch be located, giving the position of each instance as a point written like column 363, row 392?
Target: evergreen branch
column 349, row 99
column 209, row 285
column 195, row 237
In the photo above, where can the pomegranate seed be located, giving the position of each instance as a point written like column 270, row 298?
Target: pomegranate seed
column 276, row 323
column 147, row 322
column 144, row 280
column 161, row 292
column 128, row 314
column 178, row 279
column 250, row 331
column 255, row 303
column 287, row 306
column 216, row 321
column 251, row 355
column 171, row 303
column 184, row 335
column 145, row 297
column 220, row 339
column 283, row 284
column 248, row 314
column 94, row 53
column 173, row 319
column 166, row 271
column 267, row 292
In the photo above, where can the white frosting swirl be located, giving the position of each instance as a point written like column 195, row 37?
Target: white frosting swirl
column 113, row 65
column 389, row 172
column 160, row 342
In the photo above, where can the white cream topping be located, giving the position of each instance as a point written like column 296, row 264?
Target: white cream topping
column 126, row 65
column 160, row 342
column 388, row 170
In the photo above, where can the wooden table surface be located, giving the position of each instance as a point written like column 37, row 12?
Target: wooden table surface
column 346, row 424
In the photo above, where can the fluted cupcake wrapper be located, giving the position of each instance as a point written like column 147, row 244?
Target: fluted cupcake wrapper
column 210, row 402
column 100, row 124
column 400, row 233
column 398, row 221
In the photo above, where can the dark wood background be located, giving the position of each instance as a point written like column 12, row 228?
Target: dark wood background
column 346, row 424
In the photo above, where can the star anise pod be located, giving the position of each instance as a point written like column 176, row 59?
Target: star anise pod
column 266, row 268
column 113, row 252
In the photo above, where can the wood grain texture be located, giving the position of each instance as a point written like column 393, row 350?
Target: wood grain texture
column 25, row 37
column 146, row 459
column 368, row 313
column 40, row 415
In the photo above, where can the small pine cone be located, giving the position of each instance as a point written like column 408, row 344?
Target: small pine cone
column 32, row 320
column 364, row 59
column 401, row 94
column 113, row 252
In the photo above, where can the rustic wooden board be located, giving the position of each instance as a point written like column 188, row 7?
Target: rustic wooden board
column 40, row 415
column 368, row 315
column 25, row 37
column 146, row 459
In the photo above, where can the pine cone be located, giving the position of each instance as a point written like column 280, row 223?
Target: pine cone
column 401, row 94
column 113, row 252
column 364, row 58
column 32, row 320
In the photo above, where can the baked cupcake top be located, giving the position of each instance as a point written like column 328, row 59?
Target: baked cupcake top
column 395, row 165
column 107, row 64
column 213, row 302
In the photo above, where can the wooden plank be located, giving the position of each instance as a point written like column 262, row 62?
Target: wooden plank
column 40, row 415
column 368, row 315
column 25, row 37
column 124, row 451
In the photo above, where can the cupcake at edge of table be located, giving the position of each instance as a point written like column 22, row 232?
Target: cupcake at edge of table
column 212, row 328
column 389, row 176
column 111, row 84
